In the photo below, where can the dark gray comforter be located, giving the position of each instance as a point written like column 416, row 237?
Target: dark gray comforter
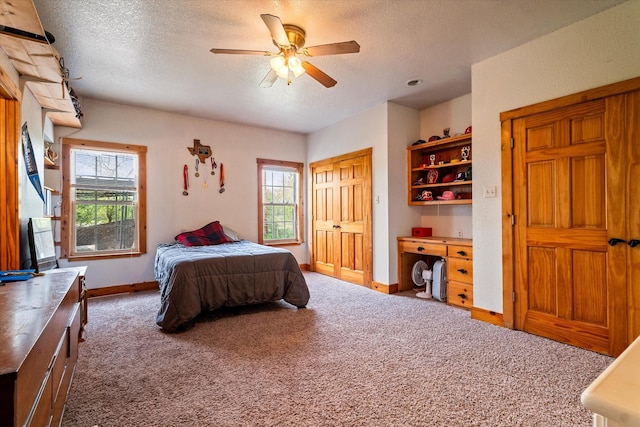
column 198, row 278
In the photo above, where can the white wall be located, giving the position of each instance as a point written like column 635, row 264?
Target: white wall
column 404, row 130
column 29, row 202
column 167, row 137
column 448, row 220
column 367, row 129
column 599, row 50
column 388, row 128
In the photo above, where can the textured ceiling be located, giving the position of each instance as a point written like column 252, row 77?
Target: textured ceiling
column 155, row 53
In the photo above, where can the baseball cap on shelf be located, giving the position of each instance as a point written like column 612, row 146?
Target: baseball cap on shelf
column 448, row 177
column 461, row 176
column 447, row 195
column 468, row 130
column 434, row 138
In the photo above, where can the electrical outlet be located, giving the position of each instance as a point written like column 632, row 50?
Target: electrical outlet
column 490, row 191
column 460, row 234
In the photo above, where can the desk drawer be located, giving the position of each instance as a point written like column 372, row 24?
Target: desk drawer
column 460, row 294
column 461, row 251
column 460, row 270
column 424, row 248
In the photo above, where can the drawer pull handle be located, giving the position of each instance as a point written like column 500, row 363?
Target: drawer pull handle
column 462, row 296
column 461, row 253
column 462, row 271
column 420, row 249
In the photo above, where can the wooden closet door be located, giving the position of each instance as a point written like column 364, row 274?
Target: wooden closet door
column 322, row 211
column 632, row 202
column 351, row 211
column 569, row 182
column 341, row 217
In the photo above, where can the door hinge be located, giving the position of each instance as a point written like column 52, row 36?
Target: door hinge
column 513, row 296
column 513, row 220
column 512, row 143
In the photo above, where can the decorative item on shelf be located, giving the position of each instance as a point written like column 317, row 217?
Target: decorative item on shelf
column 450, row 177
column 445, row 132
column 441, row 162
column 432, row 176
column 467, row 174
column 460, row 176
column 464, row 196
column 49, row 153
column 202, row 151
column 467, row 130
column 464, row 152
column 455, row 160
column 418, row 142
column 447, row 195
column 432, row 159
column 421, row 181
column 434, row 138
column 425, row 196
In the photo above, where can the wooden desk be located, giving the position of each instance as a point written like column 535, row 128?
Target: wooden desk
column 459, row 256
column 39, row 327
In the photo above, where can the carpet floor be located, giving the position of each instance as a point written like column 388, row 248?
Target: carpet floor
column 353, row 357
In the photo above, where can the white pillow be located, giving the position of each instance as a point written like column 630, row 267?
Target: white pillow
column 231, row 234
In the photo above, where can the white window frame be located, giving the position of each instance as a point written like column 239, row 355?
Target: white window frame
column 279, row 165
column 68, row 227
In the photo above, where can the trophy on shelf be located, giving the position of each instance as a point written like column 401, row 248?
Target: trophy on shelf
column 464, row 152
column 432, row 159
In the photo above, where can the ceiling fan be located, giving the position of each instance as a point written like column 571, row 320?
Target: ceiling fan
column 289, row 39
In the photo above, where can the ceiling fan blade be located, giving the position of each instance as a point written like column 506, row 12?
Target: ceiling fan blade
column 332, row 49
column 278, row 34
column 320, row 76
column 241, row 52
column 269, row 79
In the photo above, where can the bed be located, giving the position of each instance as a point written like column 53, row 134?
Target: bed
column 194, row 279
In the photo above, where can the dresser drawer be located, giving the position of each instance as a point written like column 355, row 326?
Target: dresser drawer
column 460, row 270
column 425, row 248
column 460, row 251
column 460, row 294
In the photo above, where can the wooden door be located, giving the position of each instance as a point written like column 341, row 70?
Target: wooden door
column 569, row 178
column 9, row 221
column 341, row 217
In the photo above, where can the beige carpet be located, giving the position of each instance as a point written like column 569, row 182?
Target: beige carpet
column 353, row 357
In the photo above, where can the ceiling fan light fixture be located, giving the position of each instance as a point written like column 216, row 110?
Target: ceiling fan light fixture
column 277, row 62
column 295, row 65
column 283, row 72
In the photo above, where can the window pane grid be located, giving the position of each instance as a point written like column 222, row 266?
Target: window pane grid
column 104, row 201
column 279, row 200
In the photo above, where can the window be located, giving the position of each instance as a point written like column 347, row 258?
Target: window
column 280, row 215
column 104, row 199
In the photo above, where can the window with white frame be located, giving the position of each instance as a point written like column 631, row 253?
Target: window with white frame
column 104, row 211
column 280, row 215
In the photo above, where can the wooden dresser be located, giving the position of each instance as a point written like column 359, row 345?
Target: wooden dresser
column 459, row 256
column 39, row 329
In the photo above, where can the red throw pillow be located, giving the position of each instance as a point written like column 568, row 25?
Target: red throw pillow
column 210, row 234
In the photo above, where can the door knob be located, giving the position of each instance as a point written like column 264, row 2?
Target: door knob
column 462, row 270
column 420, row 249
column 336, row 226
column 461, row 253
column 634, row 242
column 614, row 241
column 462, row 296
